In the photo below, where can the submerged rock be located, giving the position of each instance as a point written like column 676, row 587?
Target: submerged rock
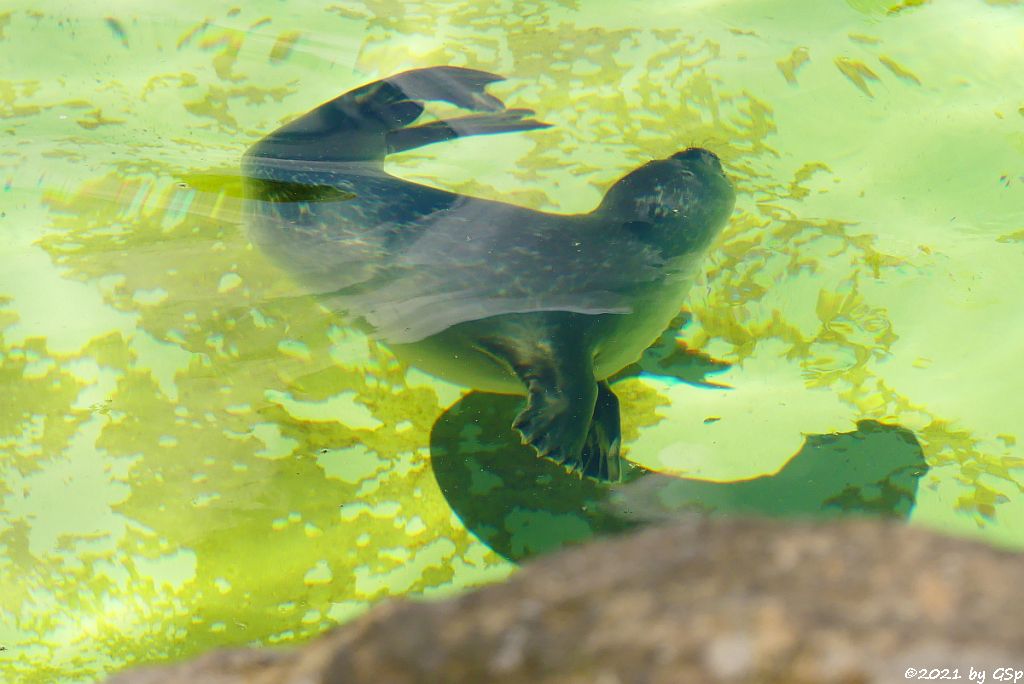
column 705, row 600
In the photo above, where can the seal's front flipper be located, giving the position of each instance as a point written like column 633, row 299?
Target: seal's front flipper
column 477, row 124
column 556, row 418
column 600, row 457
column 569, row 417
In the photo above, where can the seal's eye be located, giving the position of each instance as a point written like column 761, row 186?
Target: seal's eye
column 641, row 229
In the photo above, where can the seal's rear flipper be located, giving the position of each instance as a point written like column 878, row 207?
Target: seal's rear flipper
column 365, row 124
column 477, row 124
column 460, row 86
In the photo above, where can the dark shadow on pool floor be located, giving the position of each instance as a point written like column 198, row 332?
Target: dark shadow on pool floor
column 521, row 506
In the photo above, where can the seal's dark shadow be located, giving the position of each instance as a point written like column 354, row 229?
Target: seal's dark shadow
column 521, row 505
column 873, row 470
column 516, row 503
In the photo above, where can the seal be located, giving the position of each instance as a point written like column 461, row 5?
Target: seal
column 483, row 293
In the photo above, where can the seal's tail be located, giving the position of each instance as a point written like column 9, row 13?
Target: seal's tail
column 371, row 121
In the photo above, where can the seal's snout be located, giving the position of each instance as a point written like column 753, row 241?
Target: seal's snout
column 699, row 154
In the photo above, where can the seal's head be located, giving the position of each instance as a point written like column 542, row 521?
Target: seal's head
column 677, row 204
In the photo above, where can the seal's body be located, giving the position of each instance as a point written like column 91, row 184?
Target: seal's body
column 483, row 293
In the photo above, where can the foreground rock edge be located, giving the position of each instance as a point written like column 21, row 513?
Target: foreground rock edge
column 702, row 600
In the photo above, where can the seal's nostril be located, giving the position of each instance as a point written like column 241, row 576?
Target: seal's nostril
column 698, row 154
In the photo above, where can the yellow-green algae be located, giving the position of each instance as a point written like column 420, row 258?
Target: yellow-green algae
column 192, row 454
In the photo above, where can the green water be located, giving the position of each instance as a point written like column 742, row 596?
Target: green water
column 192, row 455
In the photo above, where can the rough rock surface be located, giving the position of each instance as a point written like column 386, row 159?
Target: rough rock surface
column 705, row 600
